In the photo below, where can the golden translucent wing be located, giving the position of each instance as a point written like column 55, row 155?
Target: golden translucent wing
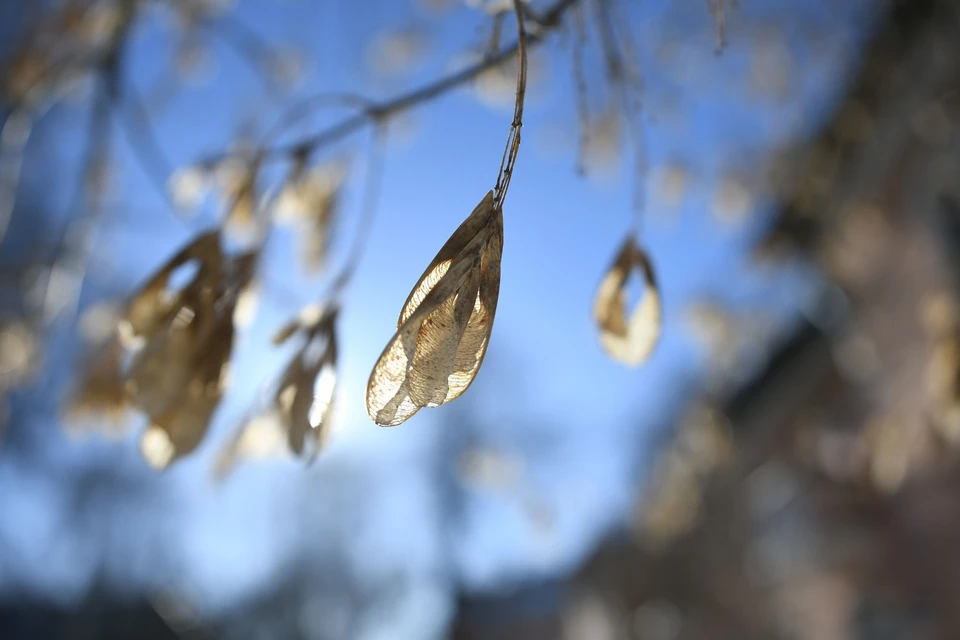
column 438, row 343
column 445, row 323
column 470, row 324
column 472, row 229
column 628, row 339
column 388, row 391
column 100, row 400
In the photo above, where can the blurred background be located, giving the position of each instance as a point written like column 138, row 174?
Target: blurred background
column 783, row 466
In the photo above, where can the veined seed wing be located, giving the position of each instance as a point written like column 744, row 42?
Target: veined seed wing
column 445, row 324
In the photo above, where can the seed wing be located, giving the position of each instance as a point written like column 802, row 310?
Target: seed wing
column 445, row 323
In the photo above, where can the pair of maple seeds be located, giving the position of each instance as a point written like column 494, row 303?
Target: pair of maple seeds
column 444, row 327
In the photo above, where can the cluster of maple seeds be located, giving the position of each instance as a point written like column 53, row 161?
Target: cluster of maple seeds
column 172, row 346
column 169, row 356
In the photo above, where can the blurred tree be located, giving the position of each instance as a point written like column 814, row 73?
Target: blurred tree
column 811, row 501
column 831, row 518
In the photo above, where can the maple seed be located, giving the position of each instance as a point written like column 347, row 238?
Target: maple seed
column 182, row 339
column 444, row 326
column 628, row 340
column 301, row 401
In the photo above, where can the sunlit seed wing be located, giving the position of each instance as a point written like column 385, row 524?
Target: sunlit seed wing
column 285, row 332
column 100, row 399
column 477, row 304
column 472, row 229
column 388, row 391
column 389, row 399
column 160, row 372
column 294, row 395
column 438, row 342
column 297, row 415
column 444, row 324
column 321, row 408
column 258, row 437
column 473, row 346
column 643, row 332
column 423, row 287
column 628, row 339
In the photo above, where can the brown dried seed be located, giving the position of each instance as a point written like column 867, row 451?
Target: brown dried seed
column 628, row 340
column 304, row 398
column 178, row 375
column 181, row 339
column 445, row 324
column 299, row 408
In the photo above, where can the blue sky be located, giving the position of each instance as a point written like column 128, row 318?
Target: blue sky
column 573, row 421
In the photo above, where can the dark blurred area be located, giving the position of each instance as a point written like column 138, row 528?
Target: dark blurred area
column 819, row 499
column 834, row 510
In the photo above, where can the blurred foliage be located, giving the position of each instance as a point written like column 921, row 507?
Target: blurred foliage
column 807, row 489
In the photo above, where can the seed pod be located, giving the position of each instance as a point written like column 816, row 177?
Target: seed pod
column 628, row 340
column 178, row 378
column 299, row 405
column 445, row 324
column 182, row 340
column 304, row 398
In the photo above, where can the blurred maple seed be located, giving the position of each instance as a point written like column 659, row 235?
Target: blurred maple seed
column 300, row 403
column 178, row 333
column 628, row 340
column 305, row 395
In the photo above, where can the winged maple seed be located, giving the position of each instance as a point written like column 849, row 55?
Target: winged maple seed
column 169, row 357
column 305, row 395
column 301, row 403
column 445, row 324
column 628, row 340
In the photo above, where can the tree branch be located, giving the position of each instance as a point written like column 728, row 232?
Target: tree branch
column 376, row 112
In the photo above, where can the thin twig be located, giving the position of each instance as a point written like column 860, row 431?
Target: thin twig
column 143, row 140
column 307, row 106
column 248, row 44
column 580, row 87
column 493, row 46
column 14, row 136
column 371, row 198
column 620, row 78
column 513, row 138
column 631, row 56
column 65, row 279
column 719, row 10
column 32, row 108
